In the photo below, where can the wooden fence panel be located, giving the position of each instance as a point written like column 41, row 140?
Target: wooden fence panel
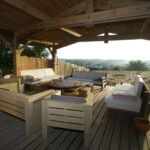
column 30, row 63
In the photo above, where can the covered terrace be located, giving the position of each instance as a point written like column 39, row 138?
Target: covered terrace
column 56, row 24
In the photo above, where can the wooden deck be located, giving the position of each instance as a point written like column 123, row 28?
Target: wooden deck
column 112, row 132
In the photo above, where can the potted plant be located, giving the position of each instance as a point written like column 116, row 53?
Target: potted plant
column 142, row 124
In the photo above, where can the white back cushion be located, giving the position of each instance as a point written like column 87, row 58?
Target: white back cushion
column 38, row 73
column 138, row 85
column 49, row 72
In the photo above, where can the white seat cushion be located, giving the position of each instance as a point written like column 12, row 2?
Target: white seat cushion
column 123, row 103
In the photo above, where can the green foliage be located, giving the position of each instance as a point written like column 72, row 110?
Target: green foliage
column 6, row 59
column 117, row 68
column 35, row 51
column 137, row 66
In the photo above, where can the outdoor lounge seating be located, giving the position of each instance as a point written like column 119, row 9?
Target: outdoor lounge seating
column 96, row 78
column 128, row 97
column 36, row 76
column 25, row 107
column 68, row 112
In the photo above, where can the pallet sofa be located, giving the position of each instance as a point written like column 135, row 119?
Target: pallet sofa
column 27, row 108
column 37, row 77
column 96, row 78
column 130, row 98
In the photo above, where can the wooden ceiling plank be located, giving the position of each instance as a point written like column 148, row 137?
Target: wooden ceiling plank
column 89, row 6
column 107, row 16
column 73, row 10
column 23, row 6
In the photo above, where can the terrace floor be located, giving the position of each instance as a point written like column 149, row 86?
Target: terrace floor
column 114, row 132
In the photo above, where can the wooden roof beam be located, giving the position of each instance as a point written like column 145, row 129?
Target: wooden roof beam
column 70, row 11
column 114, row 15
column 23, row 6
column 115, row 37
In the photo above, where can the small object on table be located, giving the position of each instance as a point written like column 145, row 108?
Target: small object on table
column 85, row 91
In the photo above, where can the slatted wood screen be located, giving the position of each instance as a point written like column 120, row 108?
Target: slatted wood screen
column 65, row 68
column 30, row 63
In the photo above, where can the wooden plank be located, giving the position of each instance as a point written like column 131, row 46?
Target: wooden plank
column 95, row 145
column 12, row 112
column 108, row 135
column 12, row 107
column 89, row 6
column 124, row 141
column 77, row 142
column 25, row 7
column 114, row 15
column 66, row 119
column 66, row 144
column 115, row 142
column 59, row 141
column 66, row 112
column 66, row 105
column 66, row 125
column 132, row 138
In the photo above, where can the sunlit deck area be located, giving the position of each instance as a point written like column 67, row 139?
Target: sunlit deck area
column 109, row 132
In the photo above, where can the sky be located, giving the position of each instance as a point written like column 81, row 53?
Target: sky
column 128, row 50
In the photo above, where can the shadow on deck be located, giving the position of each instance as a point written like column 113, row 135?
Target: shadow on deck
column 112, row 133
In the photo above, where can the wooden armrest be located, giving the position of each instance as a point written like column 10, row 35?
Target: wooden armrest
column 41, row 95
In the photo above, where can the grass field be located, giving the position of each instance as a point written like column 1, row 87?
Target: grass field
column 115, row 77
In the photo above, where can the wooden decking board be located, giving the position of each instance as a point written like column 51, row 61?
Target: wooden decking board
column 109, row 134
column 115, row 142
column 98, row 138
column 28, row 141
column 124, row 143
column 68, row 140
column 77, row 143
column 59, row 141
column 10, row 139
column 133, row 138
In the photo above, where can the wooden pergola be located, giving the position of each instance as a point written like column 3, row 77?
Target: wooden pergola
column 58, row 23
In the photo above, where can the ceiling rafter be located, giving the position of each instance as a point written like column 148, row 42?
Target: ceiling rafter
column 23, row 6
column 114, row 15
column 78, row 8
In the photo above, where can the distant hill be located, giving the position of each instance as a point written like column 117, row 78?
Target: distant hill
column 100, row 63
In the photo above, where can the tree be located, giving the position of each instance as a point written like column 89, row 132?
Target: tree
column 136, row 66
column 6, row 59
column 35, row 51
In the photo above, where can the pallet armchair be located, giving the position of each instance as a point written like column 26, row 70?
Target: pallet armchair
column 71, row 113
column 27, row 108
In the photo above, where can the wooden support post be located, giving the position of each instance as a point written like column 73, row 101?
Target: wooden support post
column 14, row 54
